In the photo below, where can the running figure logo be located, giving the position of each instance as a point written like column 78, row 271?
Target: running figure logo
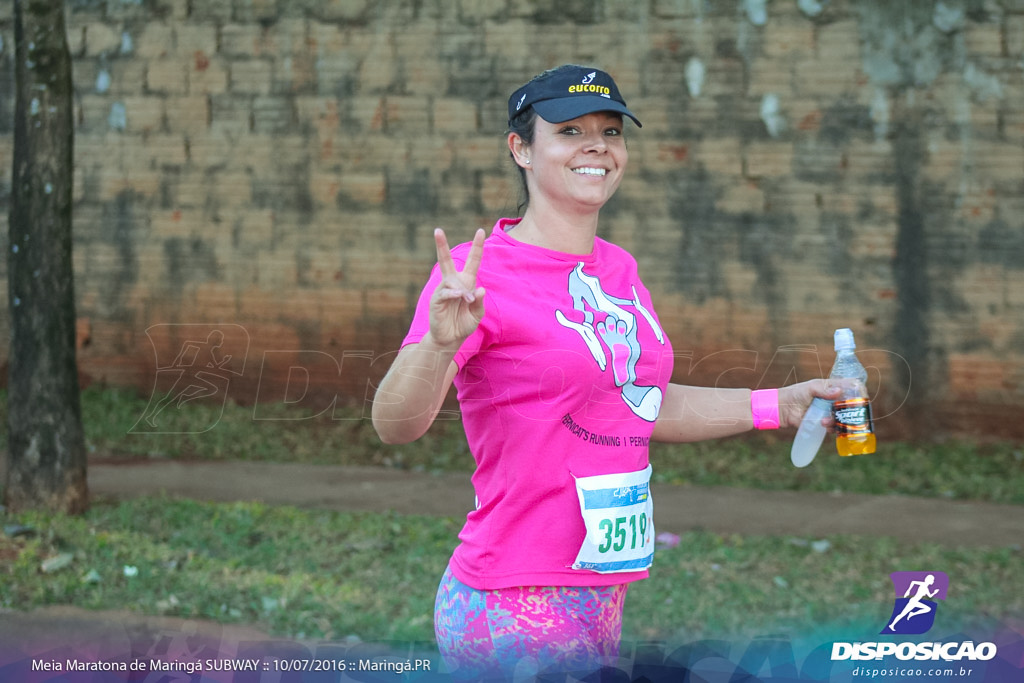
column 914, row 612
column 618, row 331
column 206, row 359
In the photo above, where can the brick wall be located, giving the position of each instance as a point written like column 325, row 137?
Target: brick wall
column 272, row 171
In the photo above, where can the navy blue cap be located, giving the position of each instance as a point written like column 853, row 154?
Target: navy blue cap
column 568, row 93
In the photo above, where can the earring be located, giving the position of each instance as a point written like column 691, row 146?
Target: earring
column 527, row 161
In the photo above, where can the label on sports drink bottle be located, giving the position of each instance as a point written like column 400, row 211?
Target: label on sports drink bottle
column 852, row 417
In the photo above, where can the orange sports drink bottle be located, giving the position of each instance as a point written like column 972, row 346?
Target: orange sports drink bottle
column 855, row 431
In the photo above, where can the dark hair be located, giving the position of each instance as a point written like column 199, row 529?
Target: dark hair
column 524, row 124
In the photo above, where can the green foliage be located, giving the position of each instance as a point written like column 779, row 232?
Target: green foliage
column 953, row 469
column 291, row 571
column 786, row 585
column 273, row 432
column 317, row 574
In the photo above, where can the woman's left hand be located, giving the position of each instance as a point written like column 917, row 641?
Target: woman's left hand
column 795, row 399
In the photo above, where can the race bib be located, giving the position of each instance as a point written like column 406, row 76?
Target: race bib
column 618, row 512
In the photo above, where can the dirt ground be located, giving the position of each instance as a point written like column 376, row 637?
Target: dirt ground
column 679, row 508
column 65, row 632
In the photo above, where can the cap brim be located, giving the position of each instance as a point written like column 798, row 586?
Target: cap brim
column 568, row 108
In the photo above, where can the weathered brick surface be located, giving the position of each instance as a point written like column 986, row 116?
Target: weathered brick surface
column 278, row 168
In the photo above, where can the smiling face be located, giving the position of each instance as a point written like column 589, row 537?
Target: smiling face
column 575, row 164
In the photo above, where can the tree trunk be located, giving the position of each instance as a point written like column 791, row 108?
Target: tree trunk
column 46, row 466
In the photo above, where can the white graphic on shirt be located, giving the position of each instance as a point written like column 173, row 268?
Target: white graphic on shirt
column 618, row 330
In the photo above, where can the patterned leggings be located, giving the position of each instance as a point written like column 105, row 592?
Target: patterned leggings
column 484, row 635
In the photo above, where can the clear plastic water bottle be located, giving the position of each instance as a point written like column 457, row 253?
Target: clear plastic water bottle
column 855, row 434
column 810, row 434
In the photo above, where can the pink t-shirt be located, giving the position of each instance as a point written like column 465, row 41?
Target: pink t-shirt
column 563, row 378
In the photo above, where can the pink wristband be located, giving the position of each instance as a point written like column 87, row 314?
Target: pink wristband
column 764, row 408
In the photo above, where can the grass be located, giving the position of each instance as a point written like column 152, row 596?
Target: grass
column 331, row 575
column 954, row 469
column 291, row 571
column 317, row 574
column 753, row 585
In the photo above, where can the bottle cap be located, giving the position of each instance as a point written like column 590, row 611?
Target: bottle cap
column 844, row 340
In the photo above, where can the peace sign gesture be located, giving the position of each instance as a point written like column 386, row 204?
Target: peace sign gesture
column 457, row 305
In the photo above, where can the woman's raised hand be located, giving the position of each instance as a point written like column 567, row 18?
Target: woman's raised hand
column 457, row 305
